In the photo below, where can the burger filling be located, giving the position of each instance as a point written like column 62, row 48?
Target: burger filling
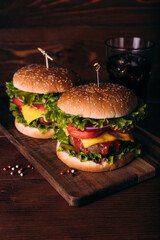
column 98, row 140
column 108, row 146
column 103, row 148
column 33, row 109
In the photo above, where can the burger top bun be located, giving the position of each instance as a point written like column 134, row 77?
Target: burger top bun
column 107, row 101
column 37, row 78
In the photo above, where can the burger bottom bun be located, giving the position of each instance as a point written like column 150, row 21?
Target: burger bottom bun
column 89, row 166
column 33, row 132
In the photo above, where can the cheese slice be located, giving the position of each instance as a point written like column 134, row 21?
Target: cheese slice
column 108, row 136
column 66, row 132
column 30, row 113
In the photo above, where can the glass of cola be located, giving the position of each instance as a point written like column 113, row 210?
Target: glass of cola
column 129, row 61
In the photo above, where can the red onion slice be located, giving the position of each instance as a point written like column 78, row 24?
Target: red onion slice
column 95, row 129
column 20, row 99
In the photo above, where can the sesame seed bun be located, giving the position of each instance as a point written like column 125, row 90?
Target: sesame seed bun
column 90, row 166
column 37, row 78
column 107, row 101
column 33, row 132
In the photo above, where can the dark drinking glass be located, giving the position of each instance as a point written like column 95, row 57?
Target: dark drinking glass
column 129, row 63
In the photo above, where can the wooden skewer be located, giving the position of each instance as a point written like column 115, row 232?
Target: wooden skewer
column 97, row 67
column 46, row 56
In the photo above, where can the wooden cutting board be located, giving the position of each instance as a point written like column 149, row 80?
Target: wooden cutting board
column 84, row 187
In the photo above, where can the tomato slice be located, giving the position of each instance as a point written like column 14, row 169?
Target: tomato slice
column 77, row 143
column 106, row 146
column 18, row 102
column 77, row 133
column 38, row 106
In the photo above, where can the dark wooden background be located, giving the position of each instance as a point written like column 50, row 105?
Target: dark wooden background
column 73, row 32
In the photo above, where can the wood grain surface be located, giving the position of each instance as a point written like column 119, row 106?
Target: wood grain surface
column 73, row 32
column 50, row 13
column 31, row 209
column 84, row 187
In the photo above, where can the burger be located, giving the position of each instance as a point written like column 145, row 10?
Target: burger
column 95, row 127
column 34, row 93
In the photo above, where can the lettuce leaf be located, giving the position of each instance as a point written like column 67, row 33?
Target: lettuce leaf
column 30, row 98
column 61, row 119
column 98, row 158
column 49, row 100
column 122, row 123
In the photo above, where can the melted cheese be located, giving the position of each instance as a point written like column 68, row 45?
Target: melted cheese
column 108, row 136
column 66, row 132
column 30, row 113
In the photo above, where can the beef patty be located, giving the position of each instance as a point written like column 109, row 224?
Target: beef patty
column 94, row 149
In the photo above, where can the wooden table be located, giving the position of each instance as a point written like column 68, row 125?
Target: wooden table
column 31, row 209
column 73, row 32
